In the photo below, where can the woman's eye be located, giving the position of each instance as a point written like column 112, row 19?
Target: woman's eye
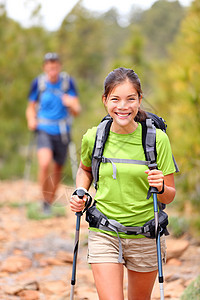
column 132, row 99
column 114, row 99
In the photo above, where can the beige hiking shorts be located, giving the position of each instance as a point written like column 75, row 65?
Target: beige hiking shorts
column 139, row 255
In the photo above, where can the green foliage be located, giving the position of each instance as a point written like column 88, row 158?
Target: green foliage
column 34, row 212
column 90, row 45
column 159, row 25
column 19, row 62
column 161, row 44
column 177, row 98
column 192, row 292
column 178, row 226
column 83, row 32
column 195, row 226
column 178, row 92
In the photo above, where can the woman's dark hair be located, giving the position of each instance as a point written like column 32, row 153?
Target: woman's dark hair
column 118, row 76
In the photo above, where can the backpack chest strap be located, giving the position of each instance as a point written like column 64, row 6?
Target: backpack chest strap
column 124, row 161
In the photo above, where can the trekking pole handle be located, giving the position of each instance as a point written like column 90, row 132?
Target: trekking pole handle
column 153, row 166
column 81, row 192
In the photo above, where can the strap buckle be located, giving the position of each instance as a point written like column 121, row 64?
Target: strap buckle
column 152, row 166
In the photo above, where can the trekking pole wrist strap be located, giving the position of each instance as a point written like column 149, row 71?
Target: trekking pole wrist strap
column 163, row 189
column 81, row 192
column 154, row 190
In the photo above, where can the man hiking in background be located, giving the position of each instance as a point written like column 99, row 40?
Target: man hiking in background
column 53, row 100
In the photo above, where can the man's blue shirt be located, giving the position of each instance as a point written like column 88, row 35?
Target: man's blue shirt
column 50, row 106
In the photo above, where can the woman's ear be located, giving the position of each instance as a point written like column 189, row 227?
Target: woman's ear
column 140, row 99
column 104, row 100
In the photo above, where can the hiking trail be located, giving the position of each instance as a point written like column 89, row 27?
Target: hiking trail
column 36, row 255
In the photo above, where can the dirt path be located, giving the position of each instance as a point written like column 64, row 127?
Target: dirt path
column 36, row 256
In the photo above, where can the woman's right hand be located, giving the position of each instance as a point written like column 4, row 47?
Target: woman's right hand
column 77, row 204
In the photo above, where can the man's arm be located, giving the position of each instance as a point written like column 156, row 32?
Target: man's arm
column 31, row 115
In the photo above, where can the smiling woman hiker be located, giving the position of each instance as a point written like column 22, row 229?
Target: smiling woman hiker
column 122, row 185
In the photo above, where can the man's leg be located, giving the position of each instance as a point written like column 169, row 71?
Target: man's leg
column 44, row 161
column 55, row 180
column 59, row 157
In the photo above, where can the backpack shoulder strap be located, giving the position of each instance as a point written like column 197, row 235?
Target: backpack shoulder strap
column 149, row 141
column 159, row 123
column 65, row 81
column 149, row 146
column 41, row 83
column 103, row 130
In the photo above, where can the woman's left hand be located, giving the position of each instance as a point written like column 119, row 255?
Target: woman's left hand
column 155, row 178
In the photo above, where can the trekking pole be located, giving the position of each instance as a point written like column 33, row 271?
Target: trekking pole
column 29, row 156
column 80, row 192
column 157, row 235
column 28, row 163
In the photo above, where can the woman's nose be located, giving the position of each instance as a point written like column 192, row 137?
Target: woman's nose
column 122, row 104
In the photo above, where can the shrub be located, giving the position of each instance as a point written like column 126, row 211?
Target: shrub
column 192, row 292
column 178, row 226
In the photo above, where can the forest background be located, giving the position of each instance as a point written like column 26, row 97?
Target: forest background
column 162, row 44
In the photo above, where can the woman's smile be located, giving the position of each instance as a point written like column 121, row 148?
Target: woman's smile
column 122, row 115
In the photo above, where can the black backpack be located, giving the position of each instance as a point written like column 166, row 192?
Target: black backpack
column 148, row 141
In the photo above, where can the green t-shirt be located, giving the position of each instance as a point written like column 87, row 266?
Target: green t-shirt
column 124, row 198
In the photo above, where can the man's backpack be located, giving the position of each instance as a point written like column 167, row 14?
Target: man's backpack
column 148, row 141
column 62, row 123
column 42, row 82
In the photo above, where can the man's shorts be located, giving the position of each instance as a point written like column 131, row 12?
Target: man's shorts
column 139, row 255
column 55, row 143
